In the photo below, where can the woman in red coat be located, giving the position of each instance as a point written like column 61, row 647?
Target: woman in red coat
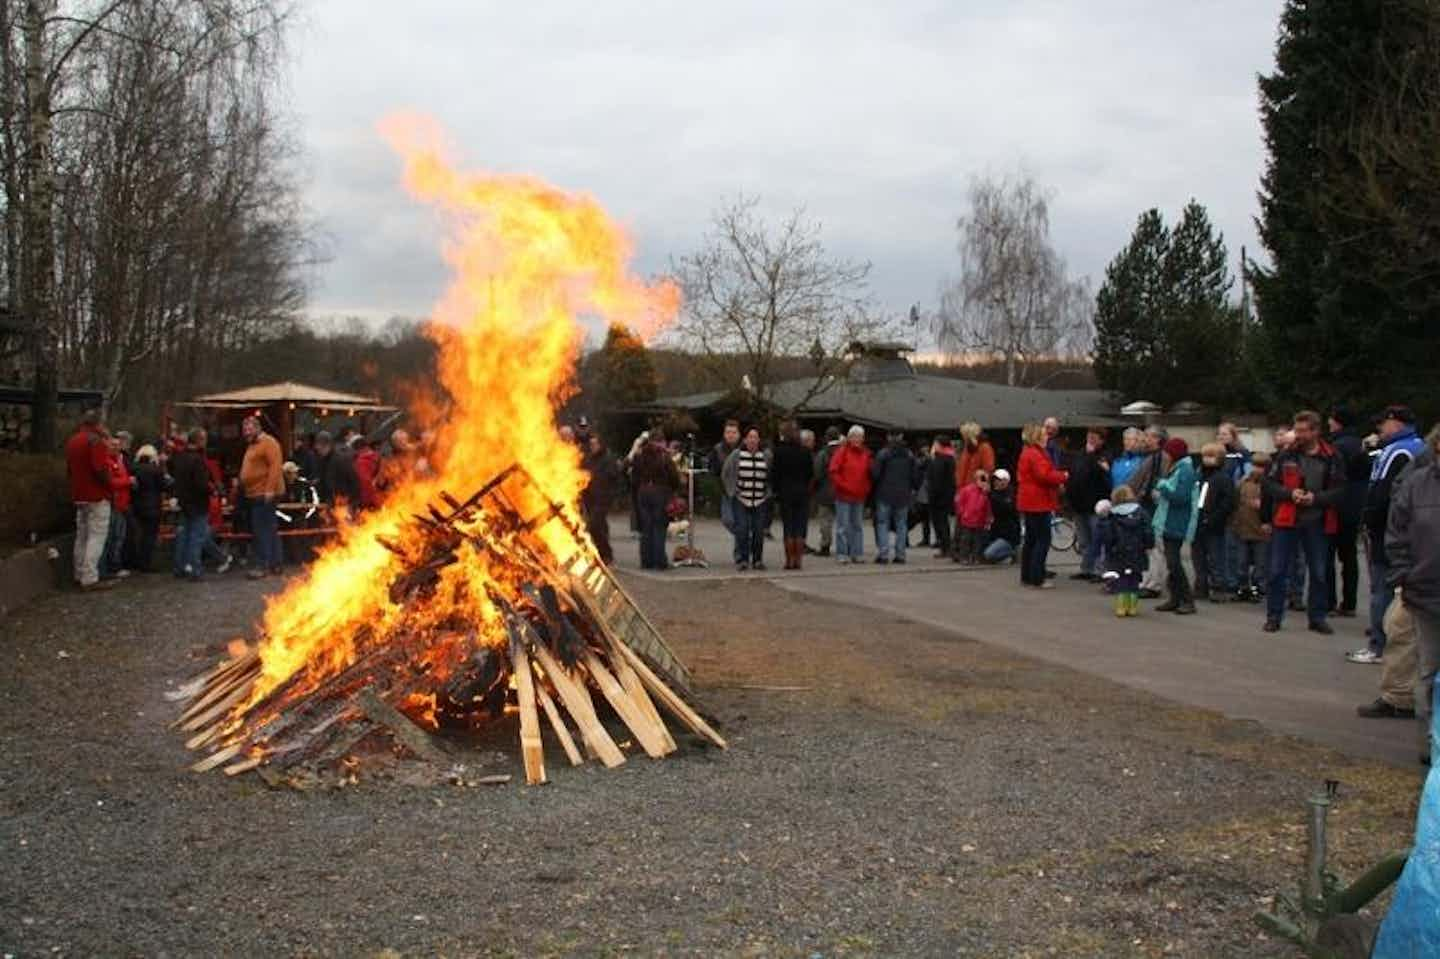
column 1037, row 498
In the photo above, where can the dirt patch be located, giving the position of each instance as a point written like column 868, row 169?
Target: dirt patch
column 922, row 795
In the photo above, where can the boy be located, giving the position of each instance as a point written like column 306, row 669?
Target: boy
column 1252, row 531
column 972, row 511
column 1217, row 504
column 1128, row 539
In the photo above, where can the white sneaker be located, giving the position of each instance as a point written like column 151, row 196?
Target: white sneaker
column 223, row 567
column 1365, row 657
column 122, row 574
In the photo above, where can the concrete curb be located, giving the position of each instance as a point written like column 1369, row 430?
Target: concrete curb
column 34, row 571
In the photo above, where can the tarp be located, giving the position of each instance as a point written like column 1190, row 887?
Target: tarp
column 1411, row 929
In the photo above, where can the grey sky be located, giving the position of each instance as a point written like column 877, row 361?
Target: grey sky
column 874, row 118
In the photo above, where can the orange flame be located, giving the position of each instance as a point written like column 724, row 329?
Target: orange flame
column 529, row 259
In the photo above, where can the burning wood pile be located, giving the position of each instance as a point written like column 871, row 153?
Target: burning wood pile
column 498, row 607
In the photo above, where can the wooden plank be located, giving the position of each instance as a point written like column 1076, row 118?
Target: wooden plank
column 577, row 702
column 635, row 689
column 557, row 723
column 243, row 766
column 221, row 690
column 532, row 749
column 217, row 758
column 238, row 693
column 406, row 733
column 651, row 738
column 671, row 700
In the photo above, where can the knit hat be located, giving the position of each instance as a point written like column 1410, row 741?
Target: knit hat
column 1176, row 448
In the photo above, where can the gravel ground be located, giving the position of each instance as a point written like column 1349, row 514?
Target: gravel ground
column 924, row 795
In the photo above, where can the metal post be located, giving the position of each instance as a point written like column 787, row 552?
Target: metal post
column 691, row 559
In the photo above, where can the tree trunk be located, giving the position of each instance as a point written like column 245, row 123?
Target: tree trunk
column 39, row 286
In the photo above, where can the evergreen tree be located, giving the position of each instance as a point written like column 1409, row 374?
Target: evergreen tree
column 1164, row 329
column 619, row 374
column 1351, row 116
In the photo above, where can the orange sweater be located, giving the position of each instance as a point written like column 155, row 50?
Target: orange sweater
column 260, row 471
column 968, row 460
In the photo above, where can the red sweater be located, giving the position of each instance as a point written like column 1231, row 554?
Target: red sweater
column 972, row 505
column 119, row 484
column 850, row 473
column 1039, row 482
column 87, row 459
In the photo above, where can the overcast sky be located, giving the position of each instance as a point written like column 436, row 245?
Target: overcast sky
column 874, row 119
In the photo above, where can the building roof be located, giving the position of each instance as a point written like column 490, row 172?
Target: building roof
column 926, row 404
column 301, row 394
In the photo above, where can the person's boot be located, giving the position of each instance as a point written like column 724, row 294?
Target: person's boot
column 1169, row 606
column 799, row 553
column 789, row 553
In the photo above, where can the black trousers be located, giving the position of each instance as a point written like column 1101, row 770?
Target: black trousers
column 1035, row 548
column 940, row 522
column 650, row 503
column 1176, row 579
column 1344, row 549
column 795, row 516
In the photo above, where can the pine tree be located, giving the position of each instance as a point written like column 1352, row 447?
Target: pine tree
column 621, row 373
column 1165, row 330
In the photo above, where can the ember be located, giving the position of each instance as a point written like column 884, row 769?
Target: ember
column 432, row 612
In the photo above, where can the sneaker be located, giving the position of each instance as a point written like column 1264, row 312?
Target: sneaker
column 758, row 566
column 253, row 574
column 1365, row 657
column 122, row 574
column 1046, row 585
column 1271, row 626
column 1322, row 627
column 1380, row 709
column 226, row 564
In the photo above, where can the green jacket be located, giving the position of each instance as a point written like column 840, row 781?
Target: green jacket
column 1176, row 506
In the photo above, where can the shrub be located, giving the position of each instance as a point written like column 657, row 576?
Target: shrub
column 34, row 497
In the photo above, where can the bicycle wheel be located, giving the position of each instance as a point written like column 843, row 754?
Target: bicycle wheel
column 1062, row 534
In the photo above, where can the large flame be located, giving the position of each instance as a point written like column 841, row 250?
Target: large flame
column 528, row 260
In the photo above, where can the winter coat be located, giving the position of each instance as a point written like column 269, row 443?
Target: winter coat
column 752, row 476
column 87, row 460
column 260, row 471
column 1356, row 464
column 1038, row 480
column 1247, row 522
column 1412, row 540
column 1127, row 537
column 940, row 476
column 1089, row 482
column 149, row 490
column 120, row 488
column 792, row 472
column 653, row 466
column 192, row 482
column 972, row 506
column 1005, row 521
column 1237, row 463
column 1399, row 452
column 1146, row 475
column 824, row 487
column 1216, row 499
column 719, row 453
column 850, row 473
column 1177, row 506
column 367, row 472
column 1321, row 473
column 338, row 479
column 895, row 475
column 1124, row 467
column 603, row 483
column 981, row 456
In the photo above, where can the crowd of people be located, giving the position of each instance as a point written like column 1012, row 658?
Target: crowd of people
column 127, row 497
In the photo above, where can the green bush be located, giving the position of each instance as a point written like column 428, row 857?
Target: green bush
column 34, row 497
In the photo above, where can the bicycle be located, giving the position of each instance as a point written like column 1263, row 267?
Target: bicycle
column 1062, row 534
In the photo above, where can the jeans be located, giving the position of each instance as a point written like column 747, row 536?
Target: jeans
column 1157, row 571
column 999, row 550
column 1090, row 545
column 750, row 525
column 112, row 558
column 892, row 524
column 189, row 542
column 264, row 527
column 650, row 502
column 92, row 526
column 849, row 529
column 825, row 516
column 1380, row 597
column 1177, row 581
column 1034, row 548
column 1311, row 541
column 1208, row 554
column 1298, row 574
column 1253, row 567
column 728, row 507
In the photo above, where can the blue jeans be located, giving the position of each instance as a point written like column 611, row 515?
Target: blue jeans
column 1287, row 544
column 750, row 525
column 999, row 550
column 892, row 525
column 1380, row 597
column 265, row 528
column 112, row 559
column 1086, row 528
column 849, row 529
column 188, row 543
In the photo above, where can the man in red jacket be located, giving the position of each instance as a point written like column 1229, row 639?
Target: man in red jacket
column 87, row 460
column 850, row 475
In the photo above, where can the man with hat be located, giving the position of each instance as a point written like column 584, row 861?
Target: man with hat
column 1400, row 445
column 1306, row 484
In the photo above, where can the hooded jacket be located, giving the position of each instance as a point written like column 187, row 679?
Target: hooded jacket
column 1127, row 536
column 850, row 473
column 1412, row 539
column 896, row 475
column 940, row 475
column 1177, row 506
column 1389, row 462
column 972, row 506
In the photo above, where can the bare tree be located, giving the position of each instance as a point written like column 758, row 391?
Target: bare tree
column 1013, row 300
column 757, row 293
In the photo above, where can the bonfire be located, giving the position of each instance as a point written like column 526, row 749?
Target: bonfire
column 472, row 595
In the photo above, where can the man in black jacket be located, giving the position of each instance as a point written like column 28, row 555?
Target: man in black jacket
column 339, row 483
column 192, row 490
column 940, row 480
column 1351, row 449
column 1088, row 484
column 1412, row 549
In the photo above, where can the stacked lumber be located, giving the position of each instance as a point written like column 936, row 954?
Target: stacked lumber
column 557, row 643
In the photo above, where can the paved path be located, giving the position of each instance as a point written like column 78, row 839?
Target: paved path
column 1293, row 682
